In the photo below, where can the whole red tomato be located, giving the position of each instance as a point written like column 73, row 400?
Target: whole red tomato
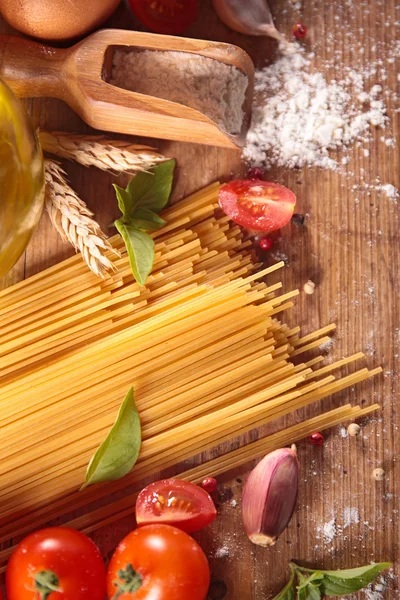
column 165, row 16
column 56, row 564
column 158, row 562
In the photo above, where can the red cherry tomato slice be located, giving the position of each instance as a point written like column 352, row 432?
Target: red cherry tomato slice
column 165, row 16
column 257, row 204
column 175, row 502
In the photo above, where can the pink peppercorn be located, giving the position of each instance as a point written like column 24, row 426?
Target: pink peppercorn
column 299, row 30
column 209, row 484
column 316, row 439
column 255, row 173
column 266, row 243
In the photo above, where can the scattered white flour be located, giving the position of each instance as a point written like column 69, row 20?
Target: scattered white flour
column 326, row 347
column 351, row 516
column 210, row 86
column 391, row 192
column 372, row 594
column 336, row 526
column 299, row 117
column 222, row 552
column 374, row 590
column 329, row 530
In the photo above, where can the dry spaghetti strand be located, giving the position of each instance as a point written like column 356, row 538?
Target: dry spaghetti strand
column 204, row 344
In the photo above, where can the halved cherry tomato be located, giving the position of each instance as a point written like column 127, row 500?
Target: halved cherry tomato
column 175, row 502
column 165, row 16
column 57, row 563
column 158, row 562
column 257, row 204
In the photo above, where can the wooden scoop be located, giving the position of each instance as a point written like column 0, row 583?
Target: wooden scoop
column 80, row 75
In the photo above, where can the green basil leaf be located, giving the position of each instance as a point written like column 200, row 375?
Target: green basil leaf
column 288, row 592
column 339, row 583
column 147, row 219
column 332, row 588
column 125, row 203
column 119, row 452
column 140, row 247
column 305, row 581
column 313, row 592
column 369, row 570
column 151, row 189
column 302, row 593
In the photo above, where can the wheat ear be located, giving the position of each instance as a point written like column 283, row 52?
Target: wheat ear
column 115, row 156
column 73, row 220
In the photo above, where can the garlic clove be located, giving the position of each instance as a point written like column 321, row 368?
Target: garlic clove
column 269, row 496
column 252, row 17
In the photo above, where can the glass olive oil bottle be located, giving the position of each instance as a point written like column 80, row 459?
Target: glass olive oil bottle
column 21, row 179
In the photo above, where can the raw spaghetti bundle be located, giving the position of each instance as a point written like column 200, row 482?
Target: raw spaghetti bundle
column 201, row 344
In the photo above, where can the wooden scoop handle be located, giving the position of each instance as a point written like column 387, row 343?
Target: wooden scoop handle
column 32, row 69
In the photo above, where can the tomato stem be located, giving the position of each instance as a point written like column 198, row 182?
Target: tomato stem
column 129, row 582
column 46, row 582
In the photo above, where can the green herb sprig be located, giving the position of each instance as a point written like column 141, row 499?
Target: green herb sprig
column 316, row 584
column 117, row 455
column 140, row 204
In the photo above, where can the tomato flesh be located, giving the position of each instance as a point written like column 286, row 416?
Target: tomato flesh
column 59, row 559
column 257, row 204
column 165, row 16
column 158, row 562
column 175, row 502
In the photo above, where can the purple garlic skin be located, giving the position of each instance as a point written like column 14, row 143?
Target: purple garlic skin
column 270, row 495
column 252, row 17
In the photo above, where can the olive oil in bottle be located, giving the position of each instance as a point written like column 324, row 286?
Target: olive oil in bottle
column 21, row 179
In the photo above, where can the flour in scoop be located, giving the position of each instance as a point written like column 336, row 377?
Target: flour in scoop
column 215, row 89
column 299, row 117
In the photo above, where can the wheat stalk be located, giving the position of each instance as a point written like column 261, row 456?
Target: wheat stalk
column 73, row 220
column 115, row 156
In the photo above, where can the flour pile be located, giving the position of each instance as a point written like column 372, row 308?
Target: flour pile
column 299, row 117
column 208, row 85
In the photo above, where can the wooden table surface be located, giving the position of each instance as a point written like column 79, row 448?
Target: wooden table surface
column 350, row 248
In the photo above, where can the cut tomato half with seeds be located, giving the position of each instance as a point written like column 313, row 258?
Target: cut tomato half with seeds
column 175, row 502
column 165, row 16
column 258, row 205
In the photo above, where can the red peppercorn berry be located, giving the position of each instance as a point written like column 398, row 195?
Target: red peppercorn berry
column 316, row 439
column 209, row 484
column 266, row 244
column 299, row 30
column 255, row 173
